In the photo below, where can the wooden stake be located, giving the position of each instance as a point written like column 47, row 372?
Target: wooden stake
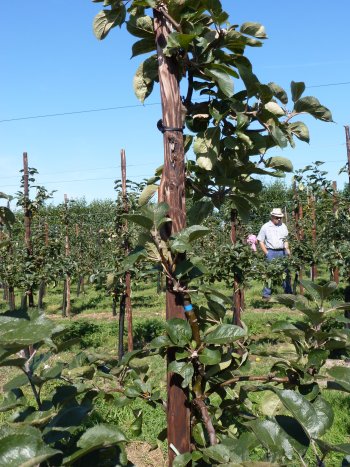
column 237, row 291
column 298, row 215
column 347, row 136
column 27, row 222
column 313, row 220
column 67, row 251
column 172, row 191
column 128, row 308
column 335, row 209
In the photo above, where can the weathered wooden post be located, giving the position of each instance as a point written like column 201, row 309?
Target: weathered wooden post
column 67, row 305
column 27, row 224
column 347, row 137
column 42, row 285
column 312, row 204
column 172, row 191
column 127, row 289
column 335, row 209
column 298, row 215
column 237, row 291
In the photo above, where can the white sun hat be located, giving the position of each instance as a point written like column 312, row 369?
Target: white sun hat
column 277, row 212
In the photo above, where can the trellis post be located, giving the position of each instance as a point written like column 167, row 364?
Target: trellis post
column 127, row 293
column 172, row 191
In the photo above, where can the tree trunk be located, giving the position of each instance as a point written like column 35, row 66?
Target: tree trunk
column 41, row 295
column 12, row 298
column 121, row 327
column 172, row 191
column 64, row 299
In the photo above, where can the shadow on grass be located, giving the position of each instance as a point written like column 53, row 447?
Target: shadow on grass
column 259, row 303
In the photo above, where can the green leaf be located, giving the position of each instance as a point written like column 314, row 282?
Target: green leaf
column 198, row 434
column 200, row 210
column 314, row 417
column 272, row 437
column 249, row 78
column 221, row 75
column 277, row 134
column 326, row 447
column 280, row 163
column 141, row 26
column 270, row 404
column 312, row 106
column 145, row 76
column 16, row 382
column 147, row 194
column 279, row 92
column 176, row 41
column 138, row 253
column 185, row 237
column 140, row 219
column 320, row 291
column 105, row 20
column 97, row 437
column 23, row 447
column 219, row 453
column 275, row 109
column 179, row 331
column 160, row 342
column 7, row 215
column 341, row 377
column 13, row 398
column 206, row 147
column 182, row 460
column 210, row 356
column 300, row 130
column 297, row 89
column 143, row 46
column 224, row 334
column 136, row 426
column 184, row 369
column 253, row 29
column 17, row 333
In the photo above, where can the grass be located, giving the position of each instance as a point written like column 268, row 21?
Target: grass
column 93, row 322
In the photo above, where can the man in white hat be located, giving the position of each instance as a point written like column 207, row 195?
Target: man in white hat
column 273, row 240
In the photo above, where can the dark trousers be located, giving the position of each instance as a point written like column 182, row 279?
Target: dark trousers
column 286, row 284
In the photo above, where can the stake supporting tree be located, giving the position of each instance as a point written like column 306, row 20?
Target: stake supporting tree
column 127, row 290
column 335, row 209
column 172, row 191
column 237, row 288
column 67, row 304
column 27, row 223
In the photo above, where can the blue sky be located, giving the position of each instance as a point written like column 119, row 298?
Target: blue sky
column 51, row 63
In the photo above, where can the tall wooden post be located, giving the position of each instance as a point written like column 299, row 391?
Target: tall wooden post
column 42, row 286
column 237, row 291
column 67, row 252
column 335, row 209
column 128, row 308
column 312, row 205
column 27, row 222
column 347, row 136
column 347, row 289
column 298, row 215
column 10, row 288
column 172, row 191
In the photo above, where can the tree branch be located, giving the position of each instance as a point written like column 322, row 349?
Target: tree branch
column 199, row 403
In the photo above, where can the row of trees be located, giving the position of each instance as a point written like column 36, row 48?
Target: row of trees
column 211, row 418
column 97, row 240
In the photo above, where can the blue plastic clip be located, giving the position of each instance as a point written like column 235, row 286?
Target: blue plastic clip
column 188, row 307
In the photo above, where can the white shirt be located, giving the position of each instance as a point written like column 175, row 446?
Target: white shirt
column 274, row 236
